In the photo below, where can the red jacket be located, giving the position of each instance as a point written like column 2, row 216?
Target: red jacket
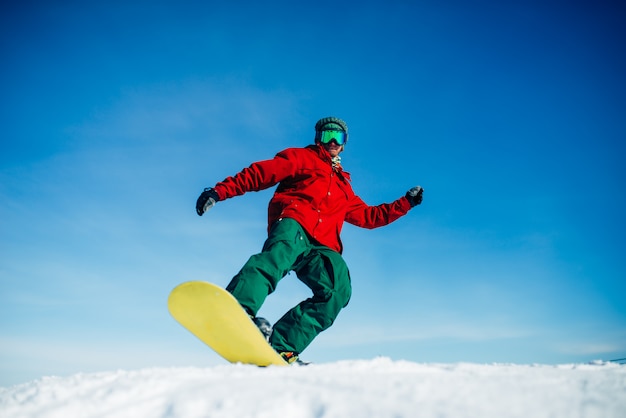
column 310, row 191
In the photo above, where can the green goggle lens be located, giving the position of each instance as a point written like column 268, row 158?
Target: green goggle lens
column 326, row 137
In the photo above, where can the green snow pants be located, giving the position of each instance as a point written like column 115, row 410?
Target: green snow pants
column 322, row 269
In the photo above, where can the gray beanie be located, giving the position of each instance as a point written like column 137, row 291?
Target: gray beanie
column 331, row 123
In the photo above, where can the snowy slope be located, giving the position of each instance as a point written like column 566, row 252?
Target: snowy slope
column 372, row 388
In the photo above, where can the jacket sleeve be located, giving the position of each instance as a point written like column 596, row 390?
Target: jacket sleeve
column 258, row 176
column 364, row 216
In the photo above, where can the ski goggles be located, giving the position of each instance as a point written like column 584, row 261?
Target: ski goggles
column 326, row 137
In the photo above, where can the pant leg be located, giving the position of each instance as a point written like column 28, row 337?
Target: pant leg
column 284, row 248
column 326, row 273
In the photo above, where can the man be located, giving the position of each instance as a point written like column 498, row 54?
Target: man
column 305, row 217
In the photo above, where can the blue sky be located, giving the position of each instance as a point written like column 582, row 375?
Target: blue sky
column 510, row 115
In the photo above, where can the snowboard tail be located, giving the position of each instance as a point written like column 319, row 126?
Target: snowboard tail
column 214, row 316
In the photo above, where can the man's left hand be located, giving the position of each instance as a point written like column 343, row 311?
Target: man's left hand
column 415, row 195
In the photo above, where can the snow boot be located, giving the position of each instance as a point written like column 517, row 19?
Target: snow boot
column 292, row 358
column 264, row 326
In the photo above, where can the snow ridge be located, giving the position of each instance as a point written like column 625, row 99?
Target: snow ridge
column 361, row 388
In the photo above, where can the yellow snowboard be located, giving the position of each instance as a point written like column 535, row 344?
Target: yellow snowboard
column 214, row 315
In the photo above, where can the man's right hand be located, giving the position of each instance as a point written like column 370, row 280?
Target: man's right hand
column 208, row 198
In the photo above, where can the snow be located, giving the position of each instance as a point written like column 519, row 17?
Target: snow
column 359, row 388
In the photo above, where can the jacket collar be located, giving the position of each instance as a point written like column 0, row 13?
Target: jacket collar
column 325, row 156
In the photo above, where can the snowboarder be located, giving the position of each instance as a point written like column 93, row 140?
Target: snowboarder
column 305, row 217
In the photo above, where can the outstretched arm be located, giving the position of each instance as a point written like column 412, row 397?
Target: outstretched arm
column 362, row 215
column 259, row 176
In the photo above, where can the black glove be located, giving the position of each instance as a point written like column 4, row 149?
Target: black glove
column 415, row 195
column 208, row 198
